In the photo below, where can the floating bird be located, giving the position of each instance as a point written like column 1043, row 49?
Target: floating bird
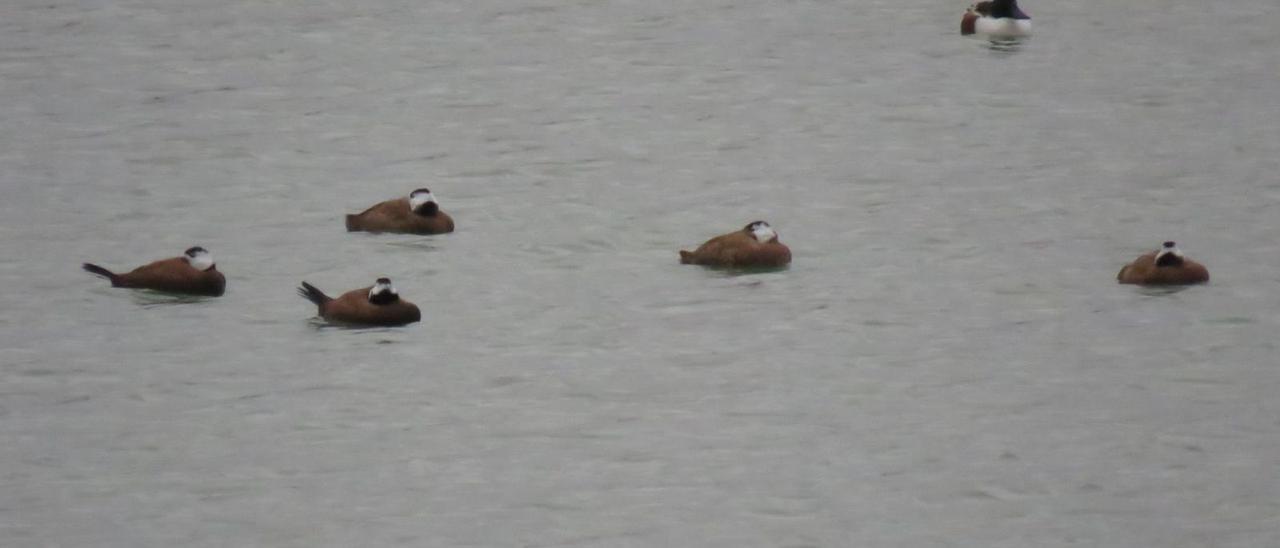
column 1164, row 266
column 418, row 213
column 193, row 273
column 997, row 19
column 379, row 304
column 756, row 245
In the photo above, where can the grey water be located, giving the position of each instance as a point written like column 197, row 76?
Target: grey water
column 947, row 362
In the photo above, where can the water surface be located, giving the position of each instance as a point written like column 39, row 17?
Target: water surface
column 948, row 362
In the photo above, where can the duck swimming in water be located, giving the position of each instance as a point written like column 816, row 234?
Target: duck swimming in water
column 997, row 19
column 1164, row 266
column 192, row 273
column 756, row 245
column 378, row 304
column 417, row 213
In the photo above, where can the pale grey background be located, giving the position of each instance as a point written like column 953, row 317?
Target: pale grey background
column 948, row 362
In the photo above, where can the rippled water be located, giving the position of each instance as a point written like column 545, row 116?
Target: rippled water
column 948, row 362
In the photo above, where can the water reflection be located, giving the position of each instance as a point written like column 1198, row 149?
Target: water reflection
column 148, row 298
column 424, row 244
column 1162, row 290
column 735, row 271
column 1006, row 45
column 318, row 324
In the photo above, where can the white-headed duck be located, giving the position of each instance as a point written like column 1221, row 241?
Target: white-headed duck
column 997, row 19
column 1164, row 266
column 193, row 273
column 417, row 213
column 756, row 245
column 378, row 304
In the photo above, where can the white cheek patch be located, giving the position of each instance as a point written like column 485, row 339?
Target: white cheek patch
column 1169, row 251
column 202, row 261
column 416, row 200
column 764, row 233
column 381, row 288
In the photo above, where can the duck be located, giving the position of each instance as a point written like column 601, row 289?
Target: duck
column 417, row 213
column 997, row 19
column 377, row 305
column 754, row 246
column 192, row 273
column 1164, row 266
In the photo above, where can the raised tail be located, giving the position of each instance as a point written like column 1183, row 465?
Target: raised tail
column 109, row 275
column 310, row 293
column 968, row 22
column 351, row 227
column 686, row 257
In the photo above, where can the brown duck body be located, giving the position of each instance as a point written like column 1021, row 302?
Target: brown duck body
column 353, row 307
column 173, row 275
column 396, row 216
column 738, row 249
column 1145, row 271
column 971, row 16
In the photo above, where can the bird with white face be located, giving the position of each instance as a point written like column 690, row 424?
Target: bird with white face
column 379, row 304
column 192, row 273
column 1164, row 266
column 754, row 246
column 417, row 213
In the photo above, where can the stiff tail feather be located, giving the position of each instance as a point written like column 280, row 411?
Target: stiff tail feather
column 109, row 275
column 967, row 22
column 311, row 293
column 686, row 257
column 351, row 223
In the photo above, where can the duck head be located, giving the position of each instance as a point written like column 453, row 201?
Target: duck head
column 761, row 231
column 383, row 293
column 423, row 202
column 1007, row 8
column 199, row 258
column 1169, row 255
